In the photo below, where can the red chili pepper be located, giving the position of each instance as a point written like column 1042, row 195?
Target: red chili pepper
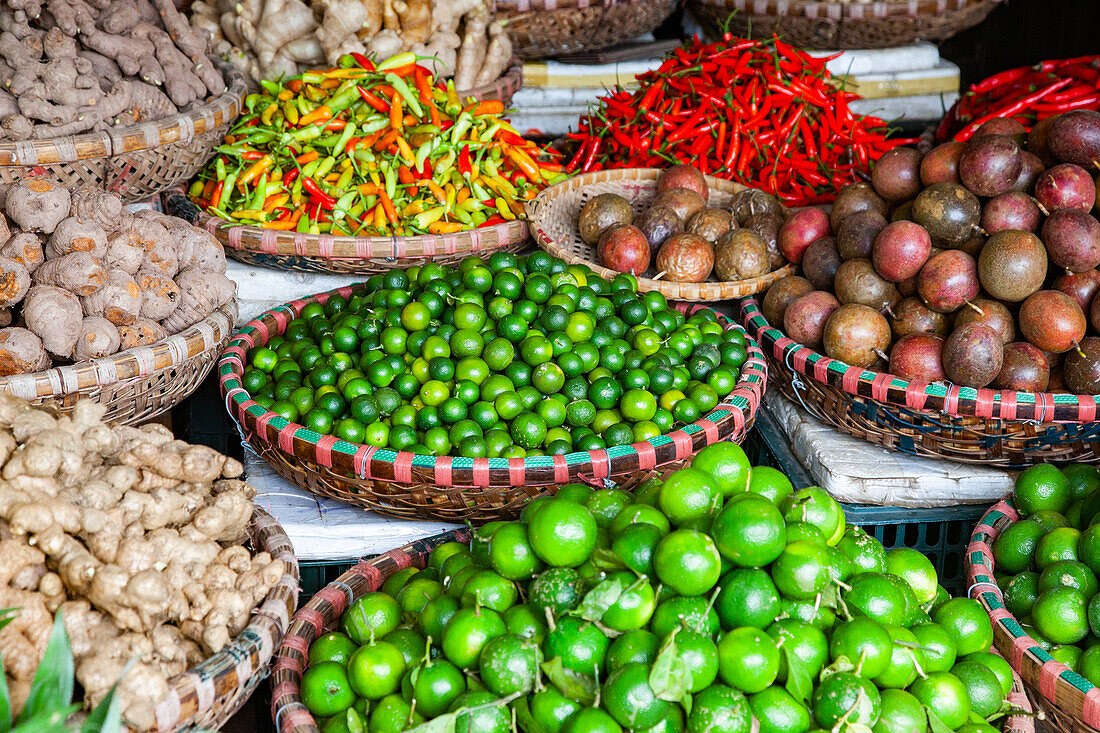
column 363, row 61
column 372, row 100
column 318, row 196
column 252, row 154
column 465, row 167
column 967, row 132
column 290, row 176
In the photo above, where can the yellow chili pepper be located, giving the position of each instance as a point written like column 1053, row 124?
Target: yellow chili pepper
column 252, row 214
column 317, row 115
column 269, row 113
column 411, row 209
column 290, row 111
column 406, row 151
column 503, row 209
column 275, row 202
column 254, row 170
column 445, row 227
column 379, row 217
column 285, row 94
column 344, row 179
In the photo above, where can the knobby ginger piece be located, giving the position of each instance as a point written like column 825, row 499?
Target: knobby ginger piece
column 26, row 249
column 119, row 300
column 21, row 352
column 98, row 338
column 202, row 292
column 100, row 207
column 159, row 296
column 37, row 204
column 141, row 332
column 79, row 272
column 15, row 281
column 76, row 234
column 55, row 316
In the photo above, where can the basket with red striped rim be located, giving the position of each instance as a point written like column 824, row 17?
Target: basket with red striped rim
column 322, row 613
column 457, row 488
column 1066, row 701
column 997, row 427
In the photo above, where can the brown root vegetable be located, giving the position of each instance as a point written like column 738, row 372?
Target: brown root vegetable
column 98, row 206
column 77, row 235
column 741, row 255
column 202, row 292
column 972, row 355
column 196, row 249
column 142, row 332
column 686, row 258
column 125, row 251
column 26, row 249
column 711, row 224
column 781, row 295
column 15, row 281
column 55, row 316
column 98, row 338
column 159, row 296
column 79, row 272
column 683, row 176
column 602, row 212
column 805, row 318
column 856, row 335
column 119, row 300
column 21, row 352
column 37, row 204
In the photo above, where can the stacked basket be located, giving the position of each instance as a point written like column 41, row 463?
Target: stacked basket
column 540, row 28
column 994, row 427
column 457, row 488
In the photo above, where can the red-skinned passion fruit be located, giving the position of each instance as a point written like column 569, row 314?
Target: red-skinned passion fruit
column 802, row 229
column 684, row 176
column 1024, row 368
column 1053, row 321
column 972, row 355
column 948, row 281
column 919, row 357
column 856, row 335
column 805, row 318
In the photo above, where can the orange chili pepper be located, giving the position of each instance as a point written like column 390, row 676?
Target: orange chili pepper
column 386, row 140
column 368, row 189
column 405, row 176
column 294, row 85
column 437, row 191
column 486, row 107
column 387, row 205
column 410, row 120
column 336, row 125
column 208, row 189
column 307, row 157
column 369, row 141
column 350, row 147
column 330, row 83
column 285, row 225
column 445, row 227
column 397, row 115
column 406, row 151
column 318, row 115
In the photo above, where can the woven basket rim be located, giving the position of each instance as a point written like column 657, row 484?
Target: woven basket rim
column 670, row 289
column 1057, row 683
column 138, row 362
column 1043, row 407
column 363, row 461
column 180, row 127
column 219, row 675
column 510, row 82
column 512, row 7
column 846, row 11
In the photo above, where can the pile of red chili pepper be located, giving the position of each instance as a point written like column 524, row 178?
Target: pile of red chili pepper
column 1027, row 94
column 382, row 150
column 759, row 112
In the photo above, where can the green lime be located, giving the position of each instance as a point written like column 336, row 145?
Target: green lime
column 326, row 690
column 688, row 495
column 627, row 696
column 580, row 644
column 1061, row 615
column 748, row 598
column 375, row 670
column 511, row 554
column 982, row 687
column 371, row 616
column 802, row 570
column 688, row 562
column 467, row 633
column 748, row 659
column 1014, row 548
column 968, row 624
column 938, row 645
column 509, row 665
column 901, row 713
column 946, row 695
column 1039, row 487
column 865, row 643
column 720, row 709
column 750, row 532
column 846, row 697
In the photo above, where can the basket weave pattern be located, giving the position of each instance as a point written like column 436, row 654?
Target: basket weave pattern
column 541, row 28
column 138, row 383
column 206, row 696
column 456, row 488
column 135, row 162
column 998, row 427
column 325, row 253
column 1064, row 698
column 503, row 87
column 842, row 25
column 553, row 217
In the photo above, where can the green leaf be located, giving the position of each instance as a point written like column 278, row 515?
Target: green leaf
column 670, row 677
column 49, row 721
column 842, row 664
column 107, row 716
column 524, row 719
column 574, row 685
column 52, row 688
column 5, row 703
column 599, row 599
column 440, row 724
column 7, row 615
column 605, row 559
column 686, row 704
column 935, row 724
column 799, row 683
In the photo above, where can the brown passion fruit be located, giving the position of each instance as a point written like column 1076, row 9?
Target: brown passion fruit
column 686, row 258
column 741, row 255
column 602, row 212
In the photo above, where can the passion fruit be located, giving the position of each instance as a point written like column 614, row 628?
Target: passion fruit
column 782, row 294
column 1012, row 265
column 1065, row 186
column 856, row 281
column 1073, row 239
column 855, row 238
column 1074, row 137
column 685, row 258
column 805, row 318
column 1024, row 368
column 911, row 315
column 1081, row 286
column 1012, row 210
column 990, row 312
column 802, row 229
column 941, row 164
column 1053, row 321
column 896, row 175
column 658, row 223
column 900, row 250
column 741, row 255
column 1081, row 369
column 856, row 335
column 602, row 212
column 711, row 224
column 948, row 211
column 990, row 165
column 684, row 176
column 767, row 225
column 749, row 202
column 820, row 262
column 684, row 201
column 624, row 249
column 918, row 356
column 948, row 280
column 853, row 198
column 972, row 355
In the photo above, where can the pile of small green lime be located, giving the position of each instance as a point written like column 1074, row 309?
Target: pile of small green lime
column 697, row 604
column 1047, row 563
column 509, row 357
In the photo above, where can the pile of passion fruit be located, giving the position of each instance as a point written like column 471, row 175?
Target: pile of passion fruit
column 975, row 263
column 681, row 236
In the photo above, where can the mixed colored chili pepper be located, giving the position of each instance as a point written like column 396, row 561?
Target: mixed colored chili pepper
column 1027, row 94
column 759, row 112
column 373, row 151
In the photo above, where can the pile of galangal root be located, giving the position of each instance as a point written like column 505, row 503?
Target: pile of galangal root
column 137, row 539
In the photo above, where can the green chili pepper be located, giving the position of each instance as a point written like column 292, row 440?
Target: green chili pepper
column 461, row 127
column 478, row 217
column 304, row 105
column 428, row 217
column 227, row 191
column 342, row 99
column 303, row 224
column 219, row 213
column 342, row 141
column 219, row 168
column 406, row 94
column 252, row 100
column 375, row 126
column 325, row 167
column 343, row 204
column 271, row 87
column 345, row 178
column 460, row 214
column 257, row 200
column 311, row 132
column 489, row 133
column 391, row 181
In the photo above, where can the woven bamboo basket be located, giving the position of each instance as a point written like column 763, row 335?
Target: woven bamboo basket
column 842, row 25
column 994, row 427
column 137, row 161
column 322, row 614
column 335, row 255
column 503, row 88
column 206, row 696
column 553, row 219
column 405, row 484
column 540, row 28
column 1066, row 702
column 136, row 384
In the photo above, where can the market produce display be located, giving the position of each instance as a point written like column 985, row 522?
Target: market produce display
column 1028, row 94
column 81, row 278
column 78, row 66
column 514, row 357
column 761, row 113
column 687, row 240
column 134, row 539
column 270, row 40
column 1046, row 563
column 938, row 270
column 371, row 151
column 716, row 599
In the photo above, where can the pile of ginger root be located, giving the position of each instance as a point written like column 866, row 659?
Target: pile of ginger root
column 81, row 278
column 134, row 537
column 269, row 39
column 70, row 66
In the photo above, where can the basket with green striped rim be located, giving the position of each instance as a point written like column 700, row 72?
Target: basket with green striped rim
column 1066, row 701
column 412, row 485
column 997, row 427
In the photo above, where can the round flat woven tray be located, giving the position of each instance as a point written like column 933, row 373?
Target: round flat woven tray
column 412, row 485
column 322, row 613
column 206, row 696
column 334, row 255
column 553, row 219
column 138, row 383
column 842, row 25
column 540, row 28
column 1066, row 701
column 995, row 427
column 137, row 161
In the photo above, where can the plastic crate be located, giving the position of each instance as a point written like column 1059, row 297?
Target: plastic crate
column 315, row 575
column 941, row 533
